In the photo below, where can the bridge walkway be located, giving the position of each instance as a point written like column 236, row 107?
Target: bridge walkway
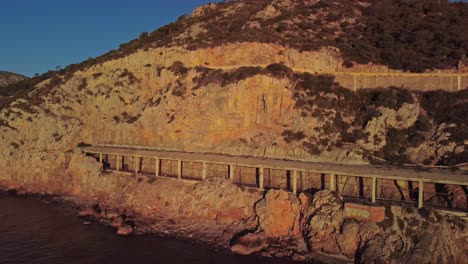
column 418, row 186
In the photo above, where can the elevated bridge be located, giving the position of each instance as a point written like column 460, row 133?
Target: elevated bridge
column 407, row 186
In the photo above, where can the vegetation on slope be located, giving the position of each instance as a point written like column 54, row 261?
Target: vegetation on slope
column 347, row 114
column 21, row 89
column 413, row 35
column 7, row 79
column 343, row 116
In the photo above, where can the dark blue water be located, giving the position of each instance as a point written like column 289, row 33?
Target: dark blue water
column 32, row 231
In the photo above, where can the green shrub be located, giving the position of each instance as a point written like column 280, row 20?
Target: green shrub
column 178, row 68
column 311, row 148
column 180, row 89
column 290, row 136
column 315, row 83
column 207, row 76
column 83, row 84
column 278, row 70
column 240, row 74
column 83, row 145
column 392, row 97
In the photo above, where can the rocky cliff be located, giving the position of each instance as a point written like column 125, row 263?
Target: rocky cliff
column 247, row 98
column 209, row 100
column 269, row 110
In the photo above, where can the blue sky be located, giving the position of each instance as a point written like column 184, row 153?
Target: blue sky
column 38, row 35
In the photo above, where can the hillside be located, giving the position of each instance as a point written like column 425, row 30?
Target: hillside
column 7, row 79
column 412, row 35
column 260, row 78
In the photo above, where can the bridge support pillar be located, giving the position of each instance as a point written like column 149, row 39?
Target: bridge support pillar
column 294, row 181
column 374, row 189
column 421, row 194
column 100, row 157
column 157, row 167
column 459, row 83
column 355, row 83
column 204, row 171
column 137, row 164
column 117, row 162
column 179, row 169
column 333, row 182
column 231, row 172
column 260, row 178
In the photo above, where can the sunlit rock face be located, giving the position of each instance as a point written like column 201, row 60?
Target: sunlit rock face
column 241, row 98
column 208, row 100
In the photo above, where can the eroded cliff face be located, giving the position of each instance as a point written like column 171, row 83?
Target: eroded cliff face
column 153, row 106
column 211, row 100
column 172, row 99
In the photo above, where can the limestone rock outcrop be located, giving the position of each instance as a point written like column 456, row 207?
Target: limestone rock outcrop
column 249, row 244
column 252, row 98
column 279, row 214
column 124, row 230
column 405, row 235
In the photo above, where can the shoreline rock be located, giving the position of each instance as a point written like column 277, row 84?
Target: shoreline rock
column 87, row 212
column 223, row 215
column 249, row 244
column 124, row 230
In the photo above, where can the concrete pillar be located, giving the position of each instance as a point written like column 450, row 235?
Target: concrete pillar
column 157, row 166
column 459, row 83
column 204, row 171
column 179, row 169
column 260, row 178
column 294, row 180
column 136, row 163
column 117, row 162
column 231, row 171
column 100, row 157
column 421, row 194
column 374, row 189
column 333, row 182
column 355, row 83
